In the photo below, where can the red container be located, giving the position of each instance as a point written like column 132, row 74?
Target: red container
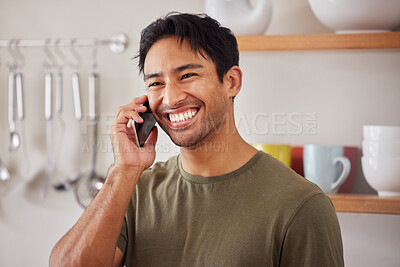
column 297, row 160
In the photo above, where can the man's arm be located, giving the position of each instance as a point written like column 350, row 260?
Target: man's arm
column 313, row 237
column 92, row 241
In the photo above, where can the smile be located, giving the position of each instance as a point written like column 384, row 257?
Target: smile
column 183, row 116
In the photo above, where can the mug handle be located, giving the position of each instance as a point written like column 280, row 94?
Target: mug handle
column 344, row 174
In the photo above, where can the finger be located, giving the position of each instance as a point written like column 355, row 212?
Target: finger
column 139, row 99
column 125, row 116
column 130, row 107
column 152, row 139
column 135, row 104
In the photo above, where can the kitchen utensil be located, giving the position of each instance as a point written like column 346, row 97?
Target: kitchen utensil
column 59, row 92
column 278, row 151
column 321, row 166
column 350, row 152
column 58, row 108
column 381, row 148
column 90, row 184
column 382, row 174
column 93, row 96
column 73, row 178
column 21, row 115
column 68, row 183
column 48, row 117
column 4, row 173
column 381, row 132
column 296, row 162
column 77, row 96
column 381, row 159
column 351, row 16
column 15, row 140
column 240, row 16
column 19, row 94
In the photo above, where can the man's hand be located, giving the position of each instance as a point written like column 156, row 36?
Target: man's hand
column 127, row 153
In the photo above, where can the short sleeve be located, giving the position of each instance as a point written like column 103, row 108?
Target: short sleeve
column 126, row 238
column 313, row 236
column 123, row 237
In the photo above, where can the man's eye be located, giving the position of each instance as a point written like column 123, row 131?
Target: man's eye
column 188, row 75
column 154, row 84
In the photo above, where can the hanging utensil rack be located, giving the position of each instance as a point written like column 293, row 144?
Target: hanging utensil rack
column 117, row 43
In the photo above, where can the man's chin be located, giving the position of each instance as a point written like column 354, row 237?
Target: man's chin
column 189, row 142
column 184, row 143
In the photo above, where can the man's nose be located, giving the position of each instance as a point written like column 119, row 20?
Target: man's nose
column 173, row 94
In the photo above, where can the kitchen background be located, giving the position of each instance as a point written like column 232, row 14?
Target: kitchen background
column 345, row 89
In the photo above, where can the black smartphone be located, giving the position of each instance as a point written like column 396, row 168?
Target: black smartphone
column 143, row 129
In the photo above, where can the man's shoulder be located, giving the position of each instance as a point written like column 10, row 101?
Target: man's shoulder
column 282, row 183
column 279, row 175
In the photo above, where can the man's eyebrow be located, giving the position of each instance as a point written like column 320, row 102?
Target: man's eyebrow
column 178, row 69
column 151, row 75
column 188, row 66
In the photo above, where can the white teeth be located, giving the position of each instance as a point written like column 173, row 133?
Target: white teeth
column 182, row 116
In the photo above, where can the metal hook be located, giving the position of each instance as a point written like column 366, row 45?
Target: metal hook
column 12, row 65
column 50, row 56
column 76, row 55
column 94, row 55
column 60, row 55
column 20, row 59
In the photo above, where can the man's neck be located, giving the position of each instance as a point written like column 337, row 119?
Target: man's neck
column 221, row 155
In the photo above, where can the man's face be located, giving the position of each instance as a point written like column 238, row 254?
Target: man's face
column 189, row 101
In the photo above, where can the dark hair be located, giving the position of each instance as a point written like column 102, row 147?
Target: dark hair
column 204, row 34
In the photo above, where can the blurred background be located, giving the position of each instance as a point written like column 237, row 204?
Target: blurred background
column 339, row 91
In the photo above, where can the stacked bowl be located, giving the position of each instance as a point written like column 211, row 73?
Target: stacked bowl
column 357, row 16
column 381, row 159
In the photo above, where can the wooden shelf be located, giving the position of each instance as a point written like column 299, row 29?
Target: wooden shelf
column 319, row 41
column 386, row 40
column 366, row 204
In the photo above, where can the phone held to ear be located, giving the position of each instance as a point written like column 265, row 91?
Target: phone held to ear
column 142, row 130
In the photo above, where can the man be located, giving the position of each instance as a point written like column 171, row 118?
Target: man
column 220, row 202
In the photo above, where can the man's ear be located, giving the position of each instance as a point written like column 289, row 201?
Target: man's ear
column 233, row 81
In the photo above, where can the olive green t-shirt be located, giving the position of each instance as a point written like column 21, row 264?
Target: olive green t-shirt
column 262, row 214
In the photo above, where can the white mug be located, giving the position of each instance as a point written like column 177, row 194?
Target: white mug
column 322, row 166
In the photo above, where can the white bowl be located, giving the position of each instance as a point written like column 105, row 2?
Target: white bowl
column 381, row 133
column 383, row 175
column 349, row 16
column 381, row 148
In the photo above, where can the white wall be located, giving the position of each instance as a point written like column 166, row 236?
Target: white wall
column 346, row 89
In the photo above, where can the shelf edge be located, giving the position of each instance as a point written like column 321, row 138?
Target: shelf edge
column 383, row 40
column 366, row 204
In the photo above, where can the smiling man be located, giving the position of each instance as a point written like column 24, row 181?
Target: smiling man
column 234, row 206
